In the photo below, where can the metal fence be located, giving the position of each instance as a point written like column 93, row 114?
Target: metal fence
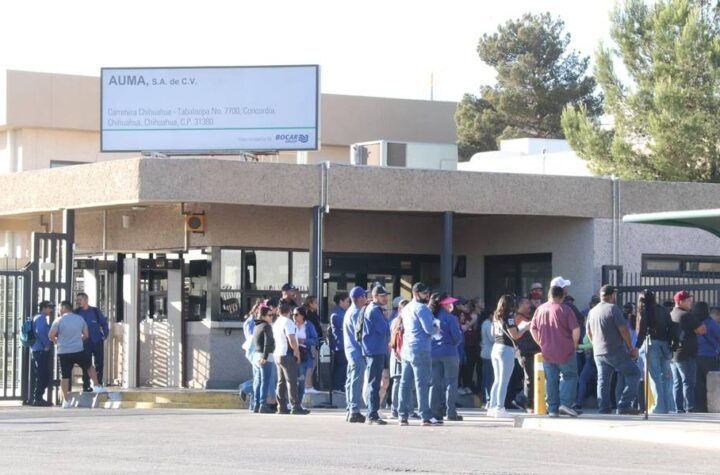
column 14, row 295
column 705, row 287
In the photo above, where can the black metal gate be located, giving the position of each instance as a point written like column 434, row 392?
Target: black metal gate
column 14, row 308
column 705, row 287
column 51, row 268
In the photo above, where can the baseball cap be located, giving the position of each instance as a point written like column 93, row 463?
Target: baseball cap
column 462, row 301
column 357, row 292
column 287, row 286
column 419, row 288
column 536, row 285
column 379, row 290
column 396, row 301
column 682, row 295
column 560, row 282
column 594, row 299
column 607, row 289
column 448, row 300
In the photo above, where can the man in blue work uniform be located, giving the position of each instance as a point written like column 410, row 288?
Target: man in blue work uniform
column 342, row 302
column 353, row 353
column 95, row 344
column 41, row 352
column 375, row 336
column 417, row 320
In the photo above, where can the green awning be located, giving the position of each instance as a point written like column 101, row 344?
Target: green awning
column 706, row 219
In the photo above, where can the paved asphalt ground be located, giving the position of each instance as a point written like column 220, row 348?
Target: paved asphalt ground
column 220, row 441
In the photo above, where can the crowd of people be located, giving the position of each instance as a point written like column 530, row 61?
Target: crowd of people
column 418, row 358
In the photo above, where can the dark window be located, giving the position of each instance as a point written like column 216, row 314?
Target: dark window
column 658, row 265
column 515, row 274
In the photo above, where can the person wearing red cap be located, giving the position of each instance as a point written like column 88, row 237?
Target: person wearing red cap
column 684, row 363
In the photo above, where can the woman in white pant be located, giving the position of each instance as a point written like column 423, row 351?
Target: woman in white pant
column 505, row 332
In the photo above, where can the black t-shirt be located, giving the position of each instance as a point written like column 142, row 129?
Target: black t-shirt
column 501, row 329
column 686, row 323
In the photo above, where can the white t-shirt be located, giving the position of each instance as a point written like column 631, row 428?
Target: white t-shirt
column 282, row 327
column 301, row 333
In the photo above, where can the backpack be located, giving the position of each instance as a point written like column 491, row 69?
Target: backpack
column 360, row 324
column 27, row 334
column 396, row 338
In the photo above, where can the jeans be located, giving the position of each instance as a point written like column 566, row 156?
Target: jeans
column 684, row 377
column 354, row 383
column 661, row 379
column 467, row 371
column 444, row 384
column 41, row 364
column 503, row 362
column 375, row 365
column 705, row 364
column 94, row 350
column 588, row 373
column 263, row 379
column 339, row 372
column 488, row 376
column 416, row 369
column 527, row 363
column 628, row 379
column 559, row 392
column 302, row 370
column 287, row 370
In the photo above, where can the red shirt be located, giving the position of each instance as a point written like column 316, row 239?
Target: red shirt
column 554, row 324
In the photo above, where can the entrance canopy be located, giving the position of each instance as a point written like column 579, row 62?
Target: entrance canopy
column 706, row 219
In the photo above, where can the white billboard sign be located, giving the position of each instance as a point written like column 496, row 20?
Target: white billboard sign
column 217, row 109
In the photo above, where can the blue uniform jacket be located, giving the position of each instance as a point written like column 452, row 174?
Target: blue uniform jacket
column 709, row 344
column 41, row 327
column 352, row 347
column 97, row 323
column 311, row 336
column 376, row 331
column 417, row 320
column 336, row 328
column 450, row 336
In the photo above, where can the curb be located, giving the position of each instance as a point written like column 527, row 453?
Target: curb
column 676, row 433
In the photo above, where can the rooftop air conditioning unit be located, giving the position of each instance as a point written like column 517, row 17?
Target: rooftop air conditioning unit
column 385, row 153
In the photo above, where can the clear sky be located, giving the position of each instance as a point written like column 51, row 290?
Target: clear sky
column 385, row 48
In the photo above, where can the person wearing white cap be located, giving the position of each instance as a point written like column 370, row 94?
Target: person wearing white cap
column 556, row 330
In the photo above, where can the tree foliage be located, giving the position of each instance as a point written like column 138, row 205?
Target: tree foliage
column 536, row 77
column 665, row 112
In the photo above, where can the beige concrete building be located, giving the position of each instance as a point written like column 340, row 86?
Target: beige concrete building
column 176, row 297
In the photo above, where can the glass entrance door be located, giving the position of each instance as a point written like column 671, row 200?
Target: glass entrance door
column 515, row 274
column 396, row 272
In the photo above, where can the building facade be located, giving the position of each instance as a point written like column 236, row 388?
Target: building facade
column 176, row 297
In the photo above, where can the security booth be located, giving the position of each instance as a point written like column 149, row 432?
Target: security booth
column 153, row 295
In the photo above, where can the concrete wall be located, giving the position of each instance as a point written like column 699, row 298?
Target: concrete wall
column 569, row 240
column 383, row 233
column 639, row 239
column 36, row 148
column 216, row 360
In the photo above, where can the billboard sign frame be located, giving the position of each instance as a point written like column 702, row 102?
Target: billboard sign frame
column 212, row 151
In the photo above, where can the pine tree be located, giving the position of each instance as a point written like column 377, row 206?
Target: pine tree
column 536, row 77
column 666, row 121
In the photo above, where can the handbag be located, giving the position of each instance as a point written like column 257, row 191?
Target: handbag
column 304, row 354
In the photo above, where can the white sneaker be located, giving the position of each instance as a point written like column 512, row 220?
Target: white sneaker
column 66, row 405
column 99, row 389
column 491, row 412
column 311, row 390
column 501, row 414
